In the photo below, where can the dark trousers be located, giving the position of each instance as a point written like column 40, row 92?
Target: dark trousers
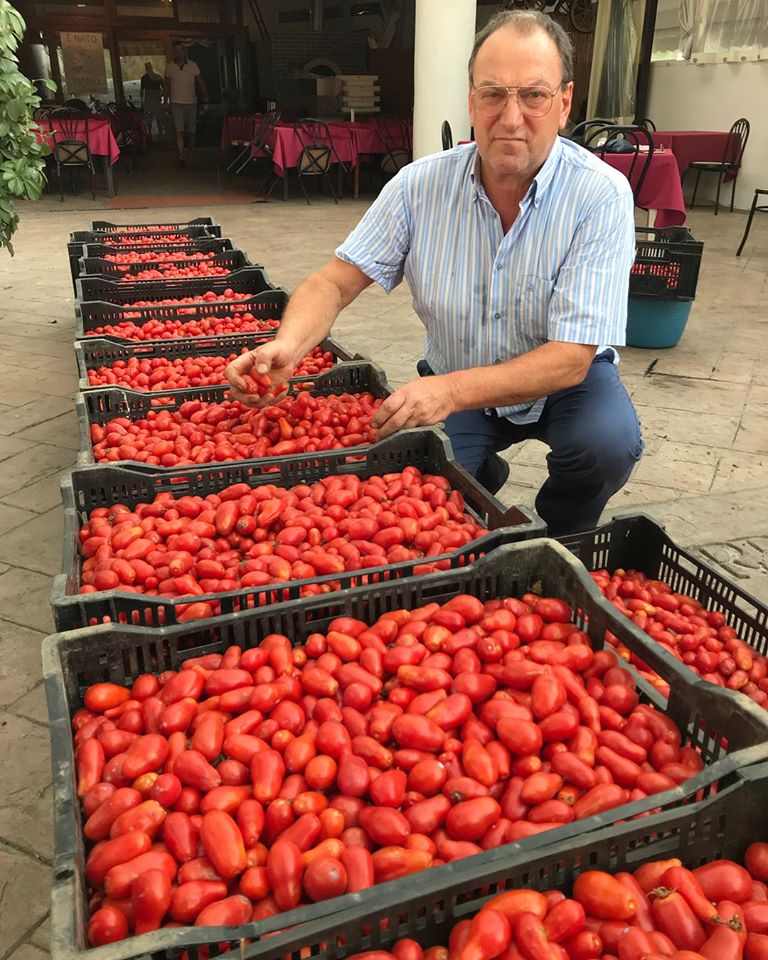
column 593, row 434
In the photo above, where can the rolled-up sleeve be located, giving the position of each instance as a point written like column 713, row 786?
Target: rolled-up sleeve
column 589, row 300
column 379, row 244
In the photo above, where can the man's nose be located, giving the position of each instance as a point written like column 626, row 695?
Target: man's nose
column 511, row 115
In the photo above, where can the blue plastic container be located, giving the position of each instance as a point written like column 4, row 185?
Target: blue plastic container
column 656, row 323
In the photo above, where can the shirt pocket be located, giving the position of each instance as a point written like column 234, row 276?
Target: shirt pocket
column 531, row 296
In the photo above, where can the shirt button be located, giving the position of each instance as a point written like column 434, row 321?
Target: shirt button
column 497, row 316
column 497, row 360
column 499, row 266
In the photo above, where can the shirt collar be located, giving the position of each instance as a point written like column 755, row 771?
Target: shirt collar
column 540, row 183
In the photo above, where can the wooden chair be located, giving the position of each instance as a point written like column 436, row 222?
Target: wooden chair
column 730, row 164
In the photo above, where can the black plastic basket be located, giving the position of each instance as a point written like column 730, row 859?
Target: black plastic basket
column 667, row 263
column 246, row 280
column 100, row 404
column 231, row 260
column 77, row 252
column 637, row 542
column 707, row 715
column 84, row 489
column 93, row 352
column 104, row 227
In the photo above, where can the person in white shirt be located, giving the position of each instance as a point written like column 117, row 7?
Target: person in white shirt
column 182, row 81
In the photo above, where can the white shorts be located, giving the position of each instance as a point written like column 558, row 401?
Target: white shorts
column 184, row 117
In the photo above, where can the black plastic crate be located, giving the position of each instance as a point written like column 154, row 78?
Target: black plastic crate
column 192, row 245
column 639, row 543
column 94, row 352
column 667, row 263
column 83, row 489
column 100, row 404
column 707, row 715
column 230, row 260
column 249, row 279
column 103, row 227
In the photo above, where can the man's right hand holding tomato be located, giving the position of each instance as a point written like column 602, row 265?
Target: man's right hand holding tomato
column 274, row 361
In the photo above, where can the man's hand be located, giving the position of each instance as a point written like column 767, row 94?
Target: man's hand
column 419, row 403
column 273, row 359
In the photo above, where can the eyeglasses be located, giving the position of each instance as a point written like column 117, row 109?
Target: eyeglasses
column 491, row 99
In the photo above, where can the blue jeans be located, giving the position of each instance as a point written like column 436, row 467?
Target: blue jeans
column 593, row 434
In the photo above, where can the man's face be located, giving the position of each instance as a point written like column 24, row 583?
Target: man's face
column 179, row 53
column 510, row 144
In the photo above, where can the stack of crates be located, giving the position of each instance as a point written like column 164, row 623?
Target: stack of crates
column 662, row 285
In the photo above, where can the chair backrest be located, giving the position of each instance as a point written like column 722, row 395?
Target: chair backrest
column 72, row 153
column 316, row 156
column 42, row 113
column 736, row 143
column 75, row 103
column 264, row 128
column 72, row 125
column 312, row 131
column 647, row 124
column 635, row 140
column 582, row 132
column 397, row 154
column 446, row 135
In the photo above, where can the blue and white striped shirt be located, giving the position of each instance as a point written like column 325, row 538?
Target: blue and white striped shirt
column 560, row 273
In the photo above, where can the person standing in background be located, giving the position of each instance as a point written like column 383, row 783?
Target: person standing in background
column 182, row 82
column 152, row 85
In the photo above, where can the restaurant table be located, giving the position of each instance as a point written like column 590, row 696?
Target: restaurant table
column 239, row 128
column 661, row 190
column 690, row 145
column 101, row 141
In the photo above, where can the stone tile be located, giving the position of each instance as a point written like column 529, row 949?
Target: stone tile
column 11, row 517
column 12, row 445
column 681, row 466
column 26, row 798
column 734, row 367
column 739, row 471
column 36, row 544
column 26, row 887
column 28, row 951
column 25, row 468
column 527, row 474
column 685, row 426
column 516, row 494
column 41, row 937
column 639, row 494
column 20, row 654
column 39, row 496
column 24, row 599
column 59, row 385
column 753, row 432
column 62, row 431
column 692, row 520
column 32, row 705
column 698, row 396
column 29, row 414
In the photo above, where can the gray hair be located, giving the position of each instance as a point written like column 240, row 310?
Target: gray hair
column 525, row 22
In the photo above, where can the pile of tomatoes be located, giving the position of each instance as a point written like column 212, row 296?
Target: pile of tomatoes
column 167, row 271
column 200, row 432
column 245, row 537
column 718, row 911
column 160, row 256
column 160, row 373
column 147, row 239
column 238, row 322
column 253, row 781
column 697, row 637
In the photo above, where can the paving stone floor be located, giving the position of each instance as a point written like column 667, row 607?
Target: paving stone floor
column 703, row 405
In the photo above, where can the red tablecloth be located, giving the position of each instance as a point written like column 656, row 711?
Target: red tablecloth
column 690, row 145
column 661, row 190
column 101, row 139
column 286, row 146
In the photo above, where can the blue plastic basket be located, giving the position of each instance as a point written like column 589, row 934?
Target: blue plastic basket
column 656, row 323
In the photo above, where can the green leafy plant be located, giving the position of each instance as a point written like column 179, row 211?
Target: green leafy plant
column 22, row 163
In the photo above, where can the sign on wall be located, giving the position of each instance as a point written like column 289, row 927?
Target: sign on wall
column 84, row 68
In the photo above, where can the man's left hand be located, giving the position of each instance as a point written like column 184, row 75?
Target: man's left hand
column 419, row 403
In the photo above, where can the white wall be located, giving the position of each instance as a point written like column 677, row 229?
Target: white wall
column 685, row 96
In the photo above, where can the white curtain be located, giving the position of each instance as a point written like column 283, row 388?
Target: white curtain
column 615, row 58
column 714, row 31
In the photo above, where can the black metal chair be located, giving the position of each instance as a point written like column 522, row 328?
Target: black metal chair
column 256, row 144
column 75, row 103
column 647, row 124
column 581, row 133
column 70, row 147
column 124, row 127
column 447, row 135
column 629, row 139
column 396, row 156
column 730, row 164
column 317, row 154
column 755, row 208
